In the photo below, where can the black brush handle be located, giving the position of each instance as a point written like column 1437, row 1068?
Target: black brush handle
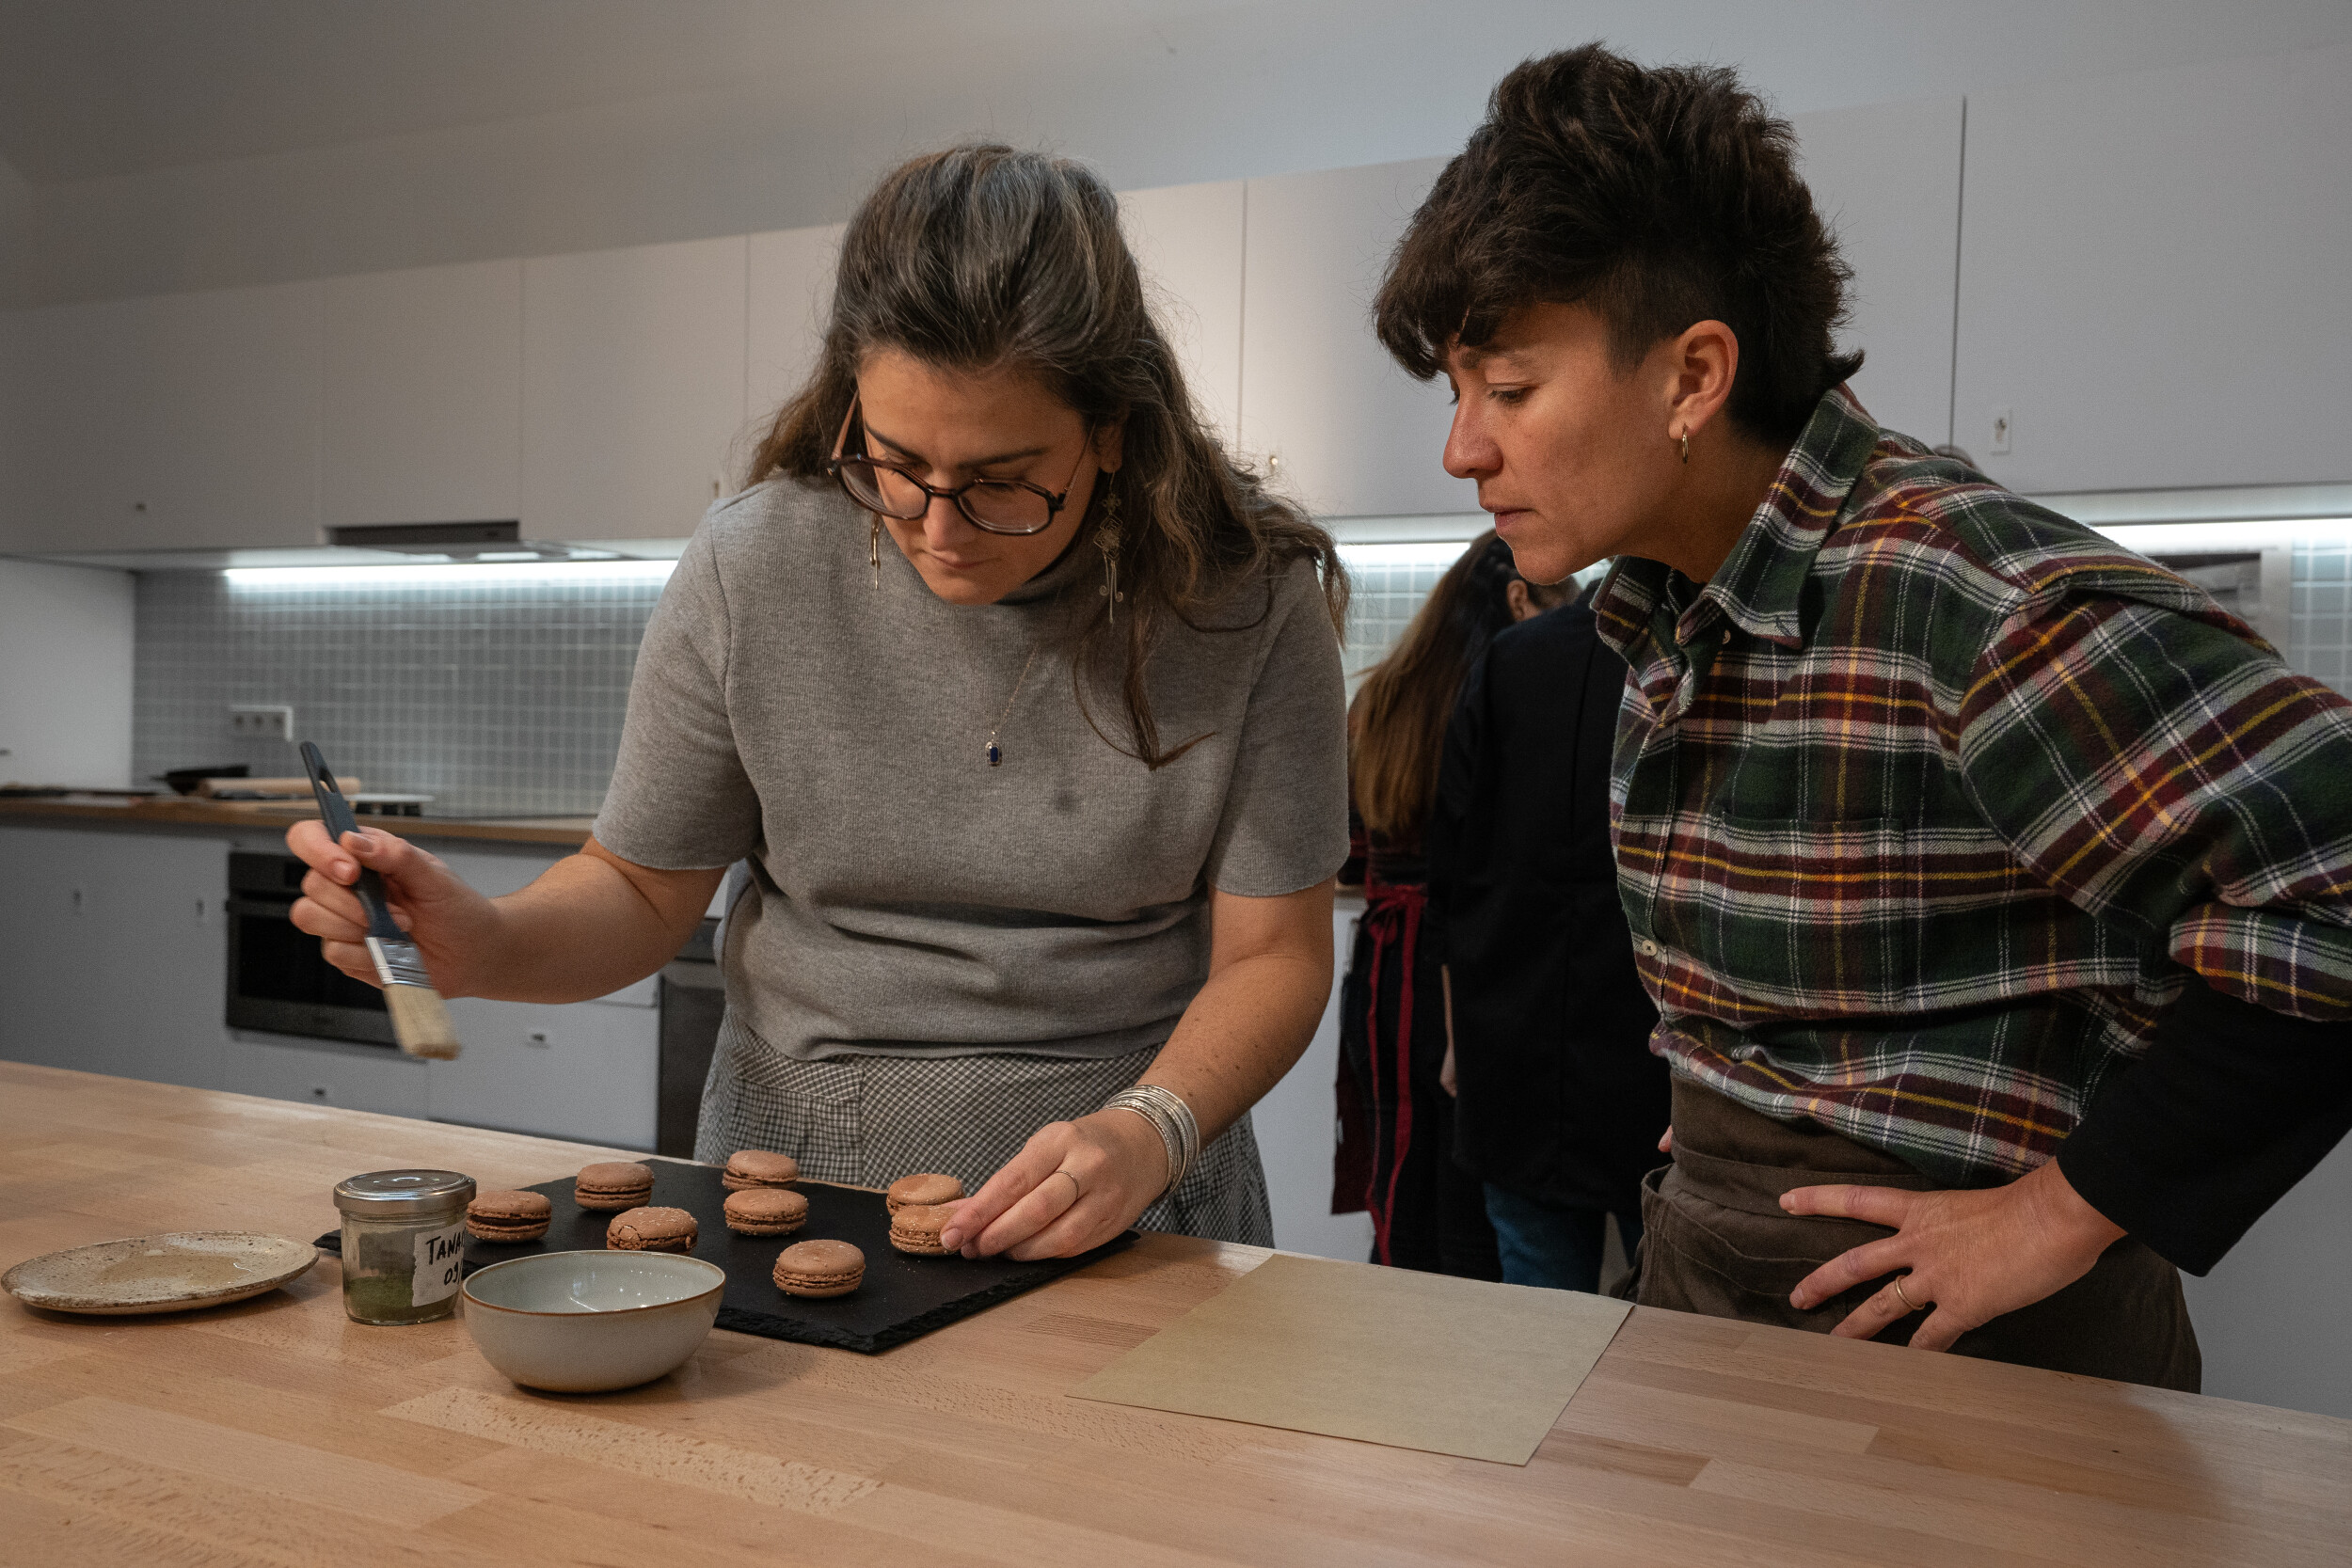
column 336, row 811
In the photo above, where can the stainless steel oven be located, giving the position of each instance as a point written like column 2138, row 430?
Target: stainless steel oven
column 277, row 981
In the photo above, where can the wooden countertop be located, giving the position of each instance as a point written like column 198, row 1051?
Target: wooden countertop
column 184, row 812
column 258, row 1433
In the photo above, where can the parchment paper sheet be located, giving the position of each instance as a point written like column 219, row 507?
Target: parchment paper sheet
column 1384, row 1355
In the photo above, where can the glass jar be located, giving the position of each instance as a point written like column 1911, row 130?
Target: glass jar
column 404, row 1244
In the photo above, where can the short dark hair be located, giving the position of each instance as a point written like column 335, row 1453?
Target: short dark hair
column 1658, row 198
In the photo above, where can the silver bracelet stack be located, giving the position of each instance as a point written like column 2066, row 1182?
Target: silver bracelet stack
column 1169, row 1117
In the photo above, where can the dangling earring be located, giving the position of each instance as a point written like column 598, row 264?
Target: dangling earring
column 873, row 548
column 1106, row 539
column 1686, row 446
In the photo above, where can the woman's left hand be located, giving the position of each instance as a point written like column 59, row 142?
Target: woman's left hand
column 1964, row 1257
column 1075, row 1185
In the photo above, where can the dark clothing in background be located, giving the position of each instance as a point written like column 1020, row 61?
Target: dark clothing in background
column 1396, row 1121
column 1561, row 1100
column 1717, row 1241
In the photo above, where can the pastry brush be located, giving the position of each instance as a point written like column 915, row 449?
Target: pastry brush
column 419, row 1016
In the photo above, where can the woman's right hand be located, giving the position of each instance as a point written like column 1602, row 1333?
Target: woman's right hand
column 449, row 922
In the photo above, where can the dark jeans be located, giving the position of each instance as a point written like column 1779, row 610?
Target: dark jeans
column 1717, row 1241
column 1547, row 1244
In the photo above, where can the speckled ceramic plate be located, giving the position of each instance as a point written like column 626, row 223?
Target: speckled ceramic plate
column 176, row 1272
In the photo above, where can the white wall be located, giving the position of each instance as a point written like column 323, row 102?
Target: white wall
column 65, row 675
column 781, row 133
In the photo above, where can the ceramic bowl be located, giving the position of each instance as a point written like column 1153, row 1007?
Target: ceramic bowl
column 579, row 1322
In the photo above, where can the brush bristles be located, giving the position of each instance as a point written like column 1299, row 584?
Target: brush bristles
column 421, row 1023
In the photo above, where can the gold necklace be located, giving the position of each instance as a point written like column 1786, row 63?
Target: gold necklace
column 996, row 752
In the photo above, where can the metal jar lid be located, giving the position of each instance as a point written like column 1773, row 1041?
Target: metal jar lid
column 404, row 1194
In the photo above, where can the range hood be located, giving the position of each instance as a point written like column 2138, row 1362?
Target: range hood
column 489, row 543
column 438, row 542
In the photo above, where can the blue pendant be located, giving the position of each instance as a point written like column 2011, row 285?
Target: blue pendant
column 995, row 755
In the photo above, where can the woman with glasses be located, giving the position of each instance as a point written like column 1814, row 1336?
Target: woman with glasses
column 1021, row 700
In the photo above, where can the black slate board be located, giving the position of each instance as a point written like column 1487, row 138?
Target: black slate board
column 903, row 1298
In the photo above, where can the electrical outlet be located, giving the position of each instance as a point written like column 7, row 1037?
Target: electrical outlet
column 261, row 721
column 2000, row 429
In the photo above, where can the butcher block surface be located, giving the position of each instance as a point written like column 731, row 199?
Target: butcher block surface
column 275, row 1432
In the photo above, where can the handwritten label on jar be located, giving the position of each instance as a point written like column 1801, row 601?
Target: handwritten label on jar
column 440, row 1254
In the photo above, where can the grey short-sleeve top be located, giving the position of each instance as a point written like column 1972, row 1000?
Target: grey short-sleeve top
column 907, row 897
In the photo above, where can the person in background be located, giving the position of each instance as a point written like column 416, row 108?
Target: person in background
column 1993, row 884
column 1558, row 1102
column 1396, row 1154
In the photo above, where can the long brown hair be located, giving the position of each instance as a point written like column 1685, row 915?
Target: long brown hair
column 1396, row 726
column 982, row 256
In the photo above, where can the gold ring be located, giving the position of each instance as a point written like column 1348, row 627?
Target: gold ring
column 1077, row 1192
column 1908, row 1305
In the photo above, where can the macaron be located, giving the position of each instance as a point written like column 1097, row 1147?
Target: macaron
column 508, row 1216
column 652, row 1231
column 929, row 1188
column 915, row 1228
column 613, row 1184
column 819, row 1269
column 759, row 1167
column 765, row 1211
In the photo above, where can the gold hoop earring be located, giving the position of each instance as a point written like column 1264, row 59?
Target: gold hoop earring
column 1106, row 539
column 873, row 548
column 1686, row 446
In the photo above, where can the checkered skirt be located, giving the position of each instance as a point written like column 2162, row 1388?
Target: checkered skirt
column 867, row 1120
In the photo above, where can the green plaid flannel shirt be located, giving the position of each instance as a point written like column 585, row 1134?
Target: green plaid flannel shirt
column 1928, row 801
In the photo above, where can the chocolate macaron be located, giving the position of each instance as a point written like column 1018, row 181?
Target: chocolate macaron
column 819, row 1269
column 613, row 1184
column 925, row 1189
column 759, row 1167
column 652, row 1231
column 915, row 1228
column 765, row 1211
column 508, row 1216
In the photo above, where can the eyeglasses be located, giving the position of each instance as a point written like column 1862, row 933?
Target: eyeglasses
column 993, row 505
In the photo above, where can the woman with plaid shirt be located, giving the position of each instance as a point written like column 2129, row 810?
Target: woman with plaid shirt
column 1995, row 885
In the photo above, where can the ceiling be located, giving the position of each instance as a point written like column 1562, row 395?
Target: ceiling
column 91, row 88
column 157, row 146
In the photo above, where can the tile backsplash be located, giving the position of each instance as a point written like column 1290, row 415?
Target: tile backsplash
column 1386, row 587
column 506, row 697
column 2320, row 644
column 499, row 698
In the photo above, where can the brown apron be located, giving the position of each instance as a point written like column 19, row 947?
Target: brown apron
column 1715, row 1241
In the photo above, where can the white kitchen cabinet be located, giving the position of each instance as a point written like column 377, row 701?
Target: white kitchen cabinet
column 421, row 398
column 2270, row 1317
column 588, row 1071
column 175, row 421
column 325, row 1073
column 1886, row 177
column 66, row 380
column 788, row 293
column 114, row 952
column 1342, row 427
column 633, row 386
column 1297, row 1128
column 2152, row 277
column 1189, row 242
